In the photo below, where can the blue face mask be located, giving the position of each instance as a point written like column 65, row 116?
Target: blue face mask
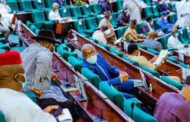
column 92, row 59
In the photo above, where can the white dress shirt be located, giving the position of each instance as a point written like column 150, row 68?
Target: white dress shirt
column 54, row 15
column 17, row 107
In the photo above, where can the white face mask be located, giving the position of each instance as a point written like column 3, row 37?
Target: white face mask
column 139, row 53
column 24, row 84
column 92, row 59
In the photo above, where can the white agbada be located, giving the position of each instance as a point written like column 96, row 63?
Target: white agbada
column 183, row 13
column 174, row 42
column 134, row 8
column 5, row 9
column 54, row 15
column 17, row 107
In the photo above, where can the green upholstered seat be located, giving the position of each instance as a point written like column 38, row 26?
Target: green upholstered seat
column 114, row 95
column 80, row 26
column 142, row 46
column 93, row 78
column 172, row 82
column 154, row 72
column 26, row 5
column 99, row 18
column 4, row 46
column 91, row 23
column 96, row 9
column 172, row 18
column 114, row 20
column 28, row 24
column 172, row 59
column 76, row 63
column 2, row 50
column 39, row 5
column 155, row 10
column 2, row 117
column 164, row 41
column 86, row 10
column 148, row 12
column 119, row 5
column 64, row 12
column 31, row 95
column 153, row 51
column 138, row 114
column 116, row 51
column 61, row 47
column 184, row 65
column 76, row 11
column 48, row 3
column 2, row 40
column 20, row 49
column 120, row 31
column 13, row 5
column 107, row 47
column 156, row 26
column 39, row 19
column 130, row 60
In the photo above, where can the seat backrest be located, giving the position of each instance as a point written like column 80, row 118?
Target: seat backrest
column 38, row 16
column 91, row 23
column 154, row 72
column 138, row 115
column 48, row 3
column 26, row 5
column 39, row 5
column 80, row 25
column 76, row 63
column 172, row 82
column 64, row 12
column 92, row 77
column 13, row 5
column 2, row 117
column 86, row 10
column 75, row 11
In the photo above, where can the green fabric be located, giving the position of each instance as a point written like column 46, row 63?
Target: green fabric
column 107, row 47
column 99, row 18
column 172, row 59
column 80, row 26
column 114, row 95
column 76, row 63
column 154, row 72
column 61, row 47
column 153, row 51
column 114, row 20
column 93, row 78
column 172, row 82
column 86, row 10
column 138, row 114
column 13, row 5
column 142, row 46
column 31, row 95
column 184, row 65
column 91, row 23
column 131, row 61
column 120, row 31
column 2, row 117
column 172, row 18
column 4, row 46
column 39, row 5
column 64, row 12
column 116, row 52
column 139, row 27
column 2, row 50
column 96, row 9
column 26, row 5
column 119, row 5
column 28, row 24
column 148, row 12
column 156, row 26
column 164, row 41
column 20, row 49
column 49, row 3
column 76, row 12
column 155, row 11
column 2, row 40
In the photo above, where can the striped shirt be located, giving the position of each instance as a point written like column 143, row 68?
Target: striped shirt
column 37, row 62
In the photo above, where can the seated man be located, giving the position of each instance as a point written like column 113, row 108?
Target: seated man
column 4, row 28
column 104, row 5
column 37, row 60
column 152, row 43
column 174, row 107
column 173, row 41
column 123, row 18
column 16, row 106
column 105, row 21
column 134, row 54
column 131, row 34
column 99, row 35
column 164, row 24
column 97, row 64
column 55, row 16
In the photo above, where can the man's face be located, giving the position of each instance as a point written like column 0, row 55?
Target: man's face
column 88, row 52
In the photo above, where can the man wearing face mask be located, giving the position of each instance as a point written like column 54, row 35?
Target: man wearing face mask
column 123, row 18
column 16, row 106
column 54, row 13
column 164, row 24
column 37, row 60
column 107, row 73
column 174, row 107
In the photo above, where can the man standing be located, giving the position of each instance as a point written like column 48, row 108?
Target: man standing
column 16, row 106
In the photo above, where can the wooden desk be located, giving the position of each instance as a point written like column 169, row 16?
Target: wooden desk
column 64, row 26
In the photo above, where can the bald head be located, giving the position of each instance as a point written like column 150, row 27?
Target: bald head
column 88, row 50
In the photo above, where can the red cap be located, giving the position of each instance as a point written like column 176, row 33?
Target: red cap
column 10, row 58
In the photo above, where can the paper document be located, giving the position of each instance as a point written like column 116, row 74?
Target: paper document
column 160, row 58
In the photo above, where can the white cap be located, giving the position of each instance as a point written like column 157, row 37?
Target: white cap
column 55, row 5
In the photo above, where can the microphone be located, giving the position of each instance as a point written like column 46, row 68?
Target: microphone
column 132, row 107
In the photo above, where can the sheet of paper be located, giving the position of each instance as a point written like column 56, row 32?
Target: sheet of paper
column 160, row 58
